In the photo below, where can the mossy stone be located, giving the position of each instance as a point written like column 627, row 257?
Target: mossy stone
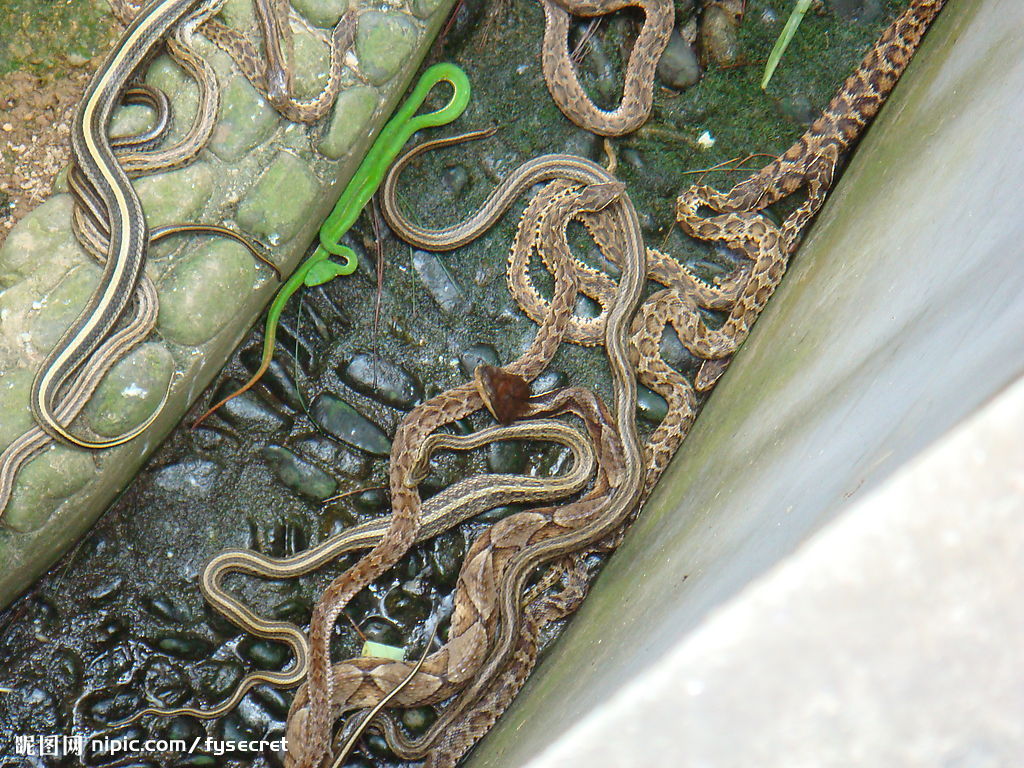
column 15, row 417
column 131, row 391
column 63, row 305
column 350, row 120
column 200, row 295
column 176, row 196
column 384, row 42
column 321, row 13
column 246, row 119
column 276, row 207
column 44, row 483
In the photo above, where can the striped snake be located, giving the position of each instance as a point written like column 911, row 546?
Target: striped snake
column 494, row 664
column 741, row 296
column 109, row 222
column 442, row 511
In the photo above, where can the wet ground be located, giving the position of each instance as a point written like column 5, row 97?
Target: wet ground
column 121, row 622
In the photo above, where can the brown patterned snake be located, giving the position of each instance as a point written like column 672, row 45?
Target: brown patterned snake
column 638, row 88
column 741, row 296
column 309, row 727
column 270, row 72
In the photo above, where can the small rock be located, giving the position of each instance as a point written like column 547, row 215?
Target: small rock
column 651, row 406
column 184, row 646
column 439, row 283
column 506, row 456
column 191, row 475
column 166, row 683
column 719, row 39
column 678, row 67
column 383, row 43
column 246, row 119
column 798, row 109
column 247, row 409
column 349, row 121
column 279, row 203
column 264, row 654
column 455, row 178
column 473, row 356
column 343, row 421
column 298, row 474
column 382, row 380
column 199, row 294
column 131, row 391
column 277, row 379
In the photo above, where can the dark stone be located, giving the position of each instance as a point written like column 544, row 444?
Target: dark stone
column 472, row 356
column 344, row 422
column 382, row 380
column 678, row 67
column 298, row 474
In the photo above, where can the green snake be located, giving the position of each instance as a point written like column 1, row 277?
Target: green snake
column 319, row 268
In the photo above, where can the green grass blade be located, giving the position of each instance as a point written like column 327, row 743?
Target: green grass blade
column 784, row 39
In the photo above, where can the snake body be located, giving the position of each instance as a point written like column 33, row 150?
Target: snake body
column 638, row 87
column 493, row 642
column 93, row 154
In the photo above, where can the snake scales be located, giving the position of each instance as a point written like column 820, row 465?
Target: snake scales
column 738, row 223
column 493, row 641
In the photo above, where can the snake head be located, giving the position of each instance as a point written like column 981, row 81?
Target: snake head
column 597, row 197
column 505, row 394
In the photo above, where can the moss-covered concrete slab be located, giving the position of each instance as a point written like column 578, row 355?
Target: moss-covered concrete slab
column 273, row 179
column 900, row 316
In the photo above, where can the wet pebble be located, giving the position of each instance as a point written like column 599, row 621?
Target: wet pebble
column 263, row 653
column 298, row 474
column 66, row 667
column 371, row 501
column 164, row 608
column 247, row 410
column 377, row 746
column 861, row 10
column 675, row 354
column 295, row 609
column 440, row 284
column 191, row 475
column 218, row 679
column 403, row 607
column 110, row 630
column 232, row 727
column 418, row 719
column 181, row 727
column 549, row 380
column 105, row 590
column 184, row 646
column 112, row 708
column 277, row 379
column 476, row 354
column 166, row 683
column 719, row 39
column 382, row 380
column 506, row 456
column 650, row 405
column 445, row 558
column 329, row 454
column 380, row 630
column 797, row 108
column 678, row 67
column 272, row 700
column 455, row 178
column 495, row 514
column 343, row 421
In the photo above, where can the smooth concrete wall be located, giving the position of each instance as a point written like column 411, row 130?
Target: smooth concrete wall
column 902, row 314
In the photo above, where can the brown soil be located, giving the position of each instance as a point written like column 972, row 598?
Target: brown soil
column 35, row 115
